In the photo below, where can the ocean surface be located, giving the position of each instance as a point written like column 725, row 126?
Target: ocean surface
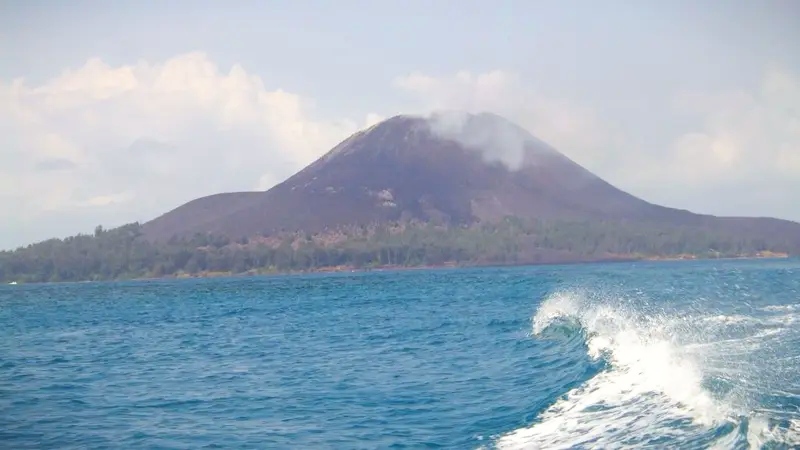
column 629, row 355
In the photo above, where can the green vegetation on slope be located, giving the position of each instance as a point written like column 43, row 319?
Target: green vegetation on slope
column 122, row 253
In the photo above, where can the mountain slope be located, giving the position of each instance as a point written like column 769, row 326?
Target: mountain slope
column 450, row 168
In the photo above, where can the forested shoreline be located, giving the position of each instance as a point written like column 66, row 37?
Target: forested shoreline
column 124, row 253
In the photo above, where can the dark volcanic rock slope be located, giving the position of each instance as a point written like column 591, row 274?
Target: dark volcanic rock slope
column 452, row 168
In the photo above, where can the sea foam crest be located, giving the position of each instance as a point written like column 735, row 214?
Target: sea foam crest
column 652, row 389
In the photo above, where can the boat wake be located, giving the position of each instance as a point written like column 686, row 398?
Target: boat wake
column 699, row 380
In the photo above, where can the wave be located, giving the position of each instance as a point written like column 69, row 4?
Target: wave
column 669, row 379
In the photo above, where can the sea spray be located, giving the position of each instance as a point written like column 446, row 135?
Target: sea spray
column 667, row 376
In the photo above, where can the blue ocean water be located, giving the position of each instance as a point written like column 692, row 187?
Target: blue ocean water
column 628, row 355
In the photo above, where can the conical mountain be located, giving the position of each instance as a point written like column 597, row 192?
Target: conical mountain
column 451, row 167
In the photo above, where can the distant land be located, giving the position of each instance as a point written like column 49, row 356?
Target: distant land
column 447, row 189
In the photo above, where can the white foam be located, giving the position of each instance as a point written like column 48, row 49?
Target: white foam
column 780, row 308
column 725, row 320
column 657, row 368
column 761, row 432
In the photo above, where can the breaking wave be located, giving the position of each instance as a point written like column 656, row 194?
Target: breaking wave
column 669, row 378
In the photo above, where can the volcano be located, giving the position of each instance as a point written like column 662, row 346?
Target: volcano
column 449, row 168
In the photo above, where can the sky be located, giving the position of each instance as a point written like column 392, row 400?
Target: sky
column 115, row 112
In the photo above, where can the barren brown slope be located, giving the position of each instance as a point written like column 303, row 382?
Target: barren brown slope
column 453, row 168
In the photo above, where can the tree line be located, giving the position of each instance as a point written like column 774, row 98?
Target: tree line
column 124, row 253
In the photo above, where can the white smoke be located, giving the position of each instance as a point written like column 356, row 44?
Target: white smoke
column 496, row 138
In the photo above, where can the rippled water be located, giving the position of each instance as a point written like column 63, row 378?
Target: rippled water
column 656, row 355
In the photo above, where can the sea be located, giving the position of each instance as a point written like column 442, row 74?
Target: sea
column 683, row 355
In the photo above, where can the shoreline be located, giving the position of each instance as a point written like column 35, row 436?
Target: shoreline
column 453, row 265
column 393, row 268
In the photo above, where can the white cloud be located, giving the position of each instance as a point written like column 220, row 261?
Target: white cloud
column 743, row 154
column 149, row 135
column 739, row 137
column 105, row 200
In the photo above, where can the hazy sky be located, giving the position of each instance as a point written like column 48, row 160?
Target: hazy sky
column 112, row 112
